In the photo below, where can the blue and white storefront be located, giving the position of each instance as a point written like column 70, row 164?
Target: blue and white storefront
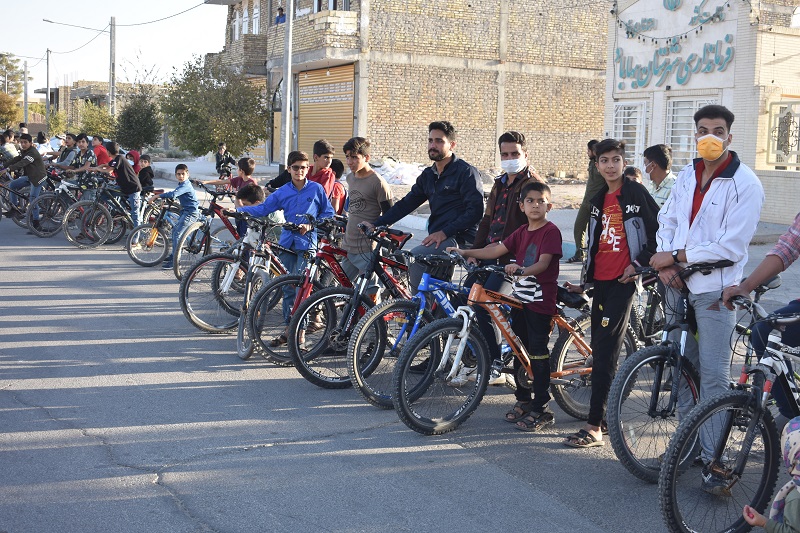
column 668, row 58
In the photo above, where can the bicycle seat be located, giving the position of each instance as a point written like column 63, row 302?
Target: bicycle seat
column 573, row 300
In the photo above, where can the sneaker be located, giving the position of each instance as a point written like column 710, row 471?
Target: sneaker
column 713, row 483
column 464, row 376
column 137, row 246
column 497, row 379
column 167, row 265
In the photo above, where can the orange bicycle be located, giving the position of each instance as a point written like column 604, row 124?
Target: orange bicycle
column 424, row 397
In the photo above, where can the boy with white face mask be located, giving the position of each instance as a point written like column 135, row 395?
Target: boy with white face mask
column 710, row 216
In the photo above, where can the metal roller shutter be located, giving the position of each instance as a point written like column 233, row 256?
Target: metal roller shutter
column 326, row 107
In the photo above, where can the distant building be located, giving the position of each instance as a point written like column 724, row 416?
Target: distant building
column 668, row 58
column 384, row 69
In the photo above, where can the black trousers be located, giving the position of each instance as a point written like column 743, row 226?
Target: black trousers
column 611, row 309
column 533, row 329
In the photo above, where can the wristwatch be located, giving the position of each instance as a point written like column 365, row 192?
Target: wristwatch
column 519, row 271
column 675, row 256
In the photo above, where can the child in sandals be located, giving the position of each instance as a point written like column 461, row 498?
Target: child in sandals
column 537, row 248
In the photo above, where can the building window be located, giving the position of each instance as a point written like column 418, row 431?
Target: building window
column 256, row 18
column 630, row 125
column 784, row 134
column 322, row 5
column 681, row 129
column 236, row 26
column 796, row 18
column 245, row 22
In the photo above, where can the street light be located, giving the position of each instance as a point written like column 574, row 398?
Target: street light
column 112, row 76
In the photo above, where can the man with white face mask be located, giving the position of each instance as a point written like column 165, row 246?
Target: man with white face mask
column 502, row 216
column 710, row 216
column 659, row 178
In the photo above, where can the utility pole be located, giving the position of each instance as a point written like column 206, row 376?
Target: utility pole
column 47, row 95
column 25, row 91
column 286, row 113
column 112, row 75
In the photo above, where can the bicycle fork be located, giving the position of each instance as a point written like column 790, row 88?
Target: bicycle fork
column 466, row 314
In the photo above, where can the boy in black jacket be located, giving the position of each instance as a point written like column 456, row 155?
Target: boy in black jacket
column 146, row 173
column 29, row 161
column 622, row 235
column 121, row 170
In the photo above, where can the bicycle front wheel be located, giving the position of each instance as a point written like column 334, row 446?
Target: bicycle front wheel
column 639, row 424
column 375, row 345
column 207, row 300
column 424, row 398
column 710, row 498
column 319, row 333
column 244, row 342
column 147, row 245
column 51, row 214
column 87, row 224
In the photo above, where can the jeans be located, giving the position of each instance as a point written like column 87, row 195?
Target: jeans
column 184, row 220
column 355, row 264
column 790, row 337
column 20, row 183
column 135, row 203
column 415, row 270
column 710, row 353
column 295, row 264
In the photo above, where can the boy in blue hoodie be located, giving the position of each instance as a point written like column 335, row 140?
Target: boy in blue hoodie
column 185, row 194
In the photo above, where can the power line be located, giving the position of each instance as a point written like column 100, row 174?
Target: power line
column 99, row 32
column 165, row 18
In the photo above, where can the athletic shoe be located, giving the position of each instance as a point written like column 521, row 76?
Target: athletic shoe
column 465, row 375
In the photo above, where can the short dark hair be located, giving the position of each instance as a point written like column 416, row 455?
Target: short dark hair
column 511, row 137
column 247, row 165
column 631, row 171
column 590, row 144
column 443, row 126
column 358, row 145
column 144, row 157
column 71, row 136
column 322, row 147
column 609, row 145
column 181, row 166
column 660, row 154
column 41, row 138
column 252, row 193
column 220, row 145
column 714, row 111
column 112, row 148
column 338, row 167
column 82, row 137
column 9, row 134
column 280, row 8
column 26, row 137
column 296, row 156
column 98, row 137
column 534, row 186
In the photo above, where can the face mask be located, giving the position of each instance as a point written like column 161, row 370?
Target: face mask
column 645, row 173
column 512, row 166
column 710, row 147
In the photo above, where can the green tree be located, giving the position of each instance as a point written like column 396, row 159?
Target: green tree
column 207, row 103
column 139, row 123
column 58, row 120
column 12, row 76
column 96, row 120
column 9, row 112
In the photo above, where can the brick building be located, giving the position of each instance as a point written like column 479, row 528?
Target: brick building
column 384, row 69
column 668, row 58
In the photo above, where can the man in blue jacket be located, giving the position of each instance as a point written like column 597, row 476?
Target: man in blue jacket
column 454, row 192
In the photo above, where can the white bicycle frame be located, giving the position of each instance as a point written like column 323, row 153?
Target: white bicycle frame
column 467, row 314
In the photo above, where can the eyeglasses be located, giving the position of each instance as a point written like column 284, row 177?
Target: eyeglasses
column 298, row 168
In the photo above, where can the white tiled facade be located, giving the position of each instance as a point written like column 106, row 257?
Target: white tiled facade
column 756, row 63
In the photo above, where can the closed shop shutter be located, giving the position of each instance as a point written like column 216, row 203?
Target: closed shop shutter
column 326, row 107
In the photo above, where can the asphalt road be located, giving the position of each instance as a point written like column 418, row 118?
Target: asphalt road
column 117, row 414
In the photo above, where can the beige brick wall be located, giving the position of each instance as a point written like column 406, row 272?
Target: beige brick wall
column 780, row 190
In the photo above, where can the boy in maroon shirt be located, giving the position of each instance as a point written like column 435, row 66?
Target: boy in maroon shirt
column 537, row 249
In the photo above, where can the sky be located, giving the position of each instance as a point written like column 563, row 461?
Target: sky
column 164, row 45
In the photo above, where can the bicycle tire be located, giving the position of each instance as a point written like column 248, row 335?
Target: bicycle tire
column 152, row 245
column 119, row 228
column 191, row 246
column 423, row 398
column 202, row 300
column 639, row 439
column 372, row 375
column 20, row 218
column 87, row 224
column 574, row 398
column 52, row 208
column 244, row 342
column 222, row 239
column 322, row 358
column 680, row 494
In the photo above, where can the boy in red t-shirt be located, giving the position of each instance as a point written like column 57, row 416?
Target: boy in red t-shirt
column 622, row 236
column 537, row 248
column 323, row 155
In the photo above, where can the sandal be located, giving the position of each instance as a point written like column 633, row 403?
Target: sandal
column 278, row 341
column 315, row 326
column 583, row 439
column 518, row 412
column 536, row 422
column 575, row 259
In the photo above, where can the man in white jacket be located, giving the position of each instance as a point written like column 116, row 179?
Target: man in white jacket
column 710, row 216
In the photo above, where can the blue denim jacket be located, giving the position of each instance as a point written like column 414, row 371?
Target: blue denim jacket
column 185, row 194
column 310, row 199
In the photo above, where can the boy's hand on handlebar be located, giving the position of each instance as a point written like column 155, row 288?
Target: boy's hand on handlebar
column 731, row 292
column 669, row 277
column 366, row 227
column 512, row 269
column 573, row 288
column 629, row 274
column 453, row 250
column 304, row 228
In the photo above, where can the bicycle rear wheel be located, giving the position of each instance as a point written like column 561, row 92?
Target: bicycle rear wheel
column 265, row 318
column 191, row 246
column 51, row 214
column 20, row 216
column 686, row 503
column 639, row 426
column 376, row 342
column 87, row 224
column 424, row 398
column 244, row 342
column 205, row 300
column 119, row 228
column 147, row 245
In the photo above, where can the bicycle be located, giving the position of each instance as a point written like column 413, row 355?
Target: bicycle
column 52, row 206
column 319, row 353
column 741, row 438
column 101, row 220
column 148, row 244
column 424, row 397
column 199, row 239
column 17, row 211
column 643, row 400
column 266, row 315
